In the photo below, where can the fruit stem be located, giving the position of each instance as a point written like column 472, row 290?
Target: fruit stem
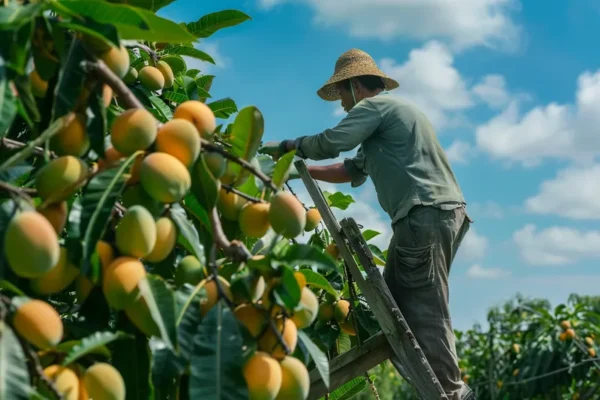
column 13, row 144
column 17, row 191
column 229, row 188
column 212, row 264
column 147, row 49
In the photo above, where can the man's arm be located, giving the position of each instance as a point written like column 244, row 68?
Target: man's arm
column 333, row 173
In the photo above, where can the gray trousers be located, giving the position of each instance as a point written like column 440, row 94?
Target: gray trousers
column 421, row 252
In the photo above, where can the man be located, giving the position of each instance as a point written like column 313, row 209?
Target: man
column 415, row 185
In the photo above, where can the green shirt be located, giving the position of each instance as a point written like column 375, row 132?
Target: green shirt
column 398, row 149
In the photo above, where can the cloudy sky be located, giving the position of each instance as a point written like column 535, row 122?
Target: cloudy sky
column 512, row 88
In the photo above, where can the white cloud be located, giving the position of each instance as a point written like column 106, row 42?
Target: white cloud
column 429, row 79
column 489, row 209
column 492, row 90
column 561, row 131
column 556, row 245
column 573, row 193
column 459, row 152
column 476, row 271
column 464, row 23
column 473, row 246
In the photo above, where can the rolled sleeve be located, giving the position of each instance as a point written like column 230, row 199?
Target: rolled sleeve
column 362, row 120
column 356, row 169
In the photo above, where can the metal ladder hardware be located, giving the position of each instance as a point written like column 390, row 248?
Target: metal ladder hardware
column 400, row 345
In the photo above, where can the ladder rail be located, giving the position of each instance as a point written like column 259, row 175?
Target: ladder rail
column 407, row 356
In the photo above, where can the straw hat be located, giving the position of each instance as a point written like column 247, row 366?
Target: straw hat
column 350, row 64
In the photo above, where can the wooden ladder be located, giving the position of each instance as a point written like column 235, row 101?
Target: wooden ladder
column 395, row 341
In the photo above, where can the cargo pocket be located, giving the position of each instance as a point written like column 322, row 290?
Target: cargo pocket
column 414, row 266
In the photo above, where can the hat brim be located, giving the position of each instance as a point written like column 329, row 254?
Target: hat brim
column 328, row 91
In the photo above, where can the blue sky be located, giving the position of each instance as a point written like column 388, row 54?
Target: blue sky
column 512, row 87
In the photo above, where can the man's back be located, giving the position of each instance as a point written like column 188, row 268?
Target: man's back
column 404, row 158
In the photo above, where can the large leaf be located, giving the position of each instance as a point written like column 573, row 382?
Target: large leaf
column 282, row 169
column 245, row 138
column 8, row 101
column 98, row 200
column 304, row 254
column 187, row 230
column 15, row 43
column 177, row 63
column 204, row 185
column 370, row 234
column 92, row 343
column 163, row 110
column 189, row 51
column 132, row 22
column 70, row 81
column 317, row 280
column 14, row 374
column 13, row 15
column 96, row 121
column 12, row 174
column 223, row 108
column 161, row 305
column 205, row 81
column 338, row 200
column 216, row 367
column 166, row 367
column 175, row 97
column 211, row 23
column 152, row 5
column 349, row 389
column 320, row 359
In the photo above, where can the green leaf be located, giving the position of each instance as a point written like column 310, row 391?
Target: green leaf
column 370, row 234
column 349, row 389
column 8, row 102
column 13, row 15
column 199, row 214
column 27, row 105
column 187, row 230
column 152, row 5
column 205, row 81
column 317, row 280
column 161, row 305
column 163, row 110
column 192, row 73
column 211, row 23
column 132, row 23
column 12, row 174
column 344, row 343
column 96, row 121
column 223, row 108
column 177, row 63
column 320, row 359
column 6, row 285
column 166, row 367
column 175, row 97
column 282, row 169
column 15, row 45
column 216, row 365
column 304, row 254
column 14, row 374
column 70, row 81
column 378, row 256
column 245, row 138
column 189, row 51
column 107, row 33
column 204, row 185
column 98, row 200
column 287, row 293
column 338, row 200
column 92, row 343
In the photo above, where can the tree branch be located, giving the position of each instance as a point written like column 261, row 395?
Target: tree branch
column 147, row 49
column 13, row 144
column 229, row 188
column 234, row 249
column 15, row 190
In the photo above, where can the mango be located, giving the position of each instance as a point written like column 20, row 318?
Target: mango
column 135, row 129
column 58, row 278
column 300, row 278
column 263, row 376
column 216, row 163
column 326, row 312
column 167, row 73
column 341, row 310
column 136, row 232
column 136, row 195
column 254, row 219
column 117, row 60
column 131, row 76
column 199, row 114
column 268, row 341
column 134, row 171
column 60, row 178
column 180, row 139
column 287, row 215
column 111, row 158
column 166, row 237
column 230, row 205
column 295, row 380
column 73, row 139
column 31, row 245
column 333, row 250
column 120, row 282
column 56, row 214
column 65, row 380
column 39, row 87
column 104, row 382
column 307, row 314
column 313, row 218
column 151, row 78
column 39, row 323
column 107, row 95
column 212, row 295
column 252, row 293
column 189, row 270
column 139, row 315
column 251, row 317
column 164, row 177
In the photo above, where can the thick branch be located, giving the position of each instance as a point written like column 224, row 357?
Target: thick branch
column 15, row 190
column 230, row 188
column 13, row 144
column 104, row 73
column 234, row 249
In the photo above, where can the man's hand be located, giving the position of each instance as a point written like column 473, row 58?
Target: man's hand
column 275, row 149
